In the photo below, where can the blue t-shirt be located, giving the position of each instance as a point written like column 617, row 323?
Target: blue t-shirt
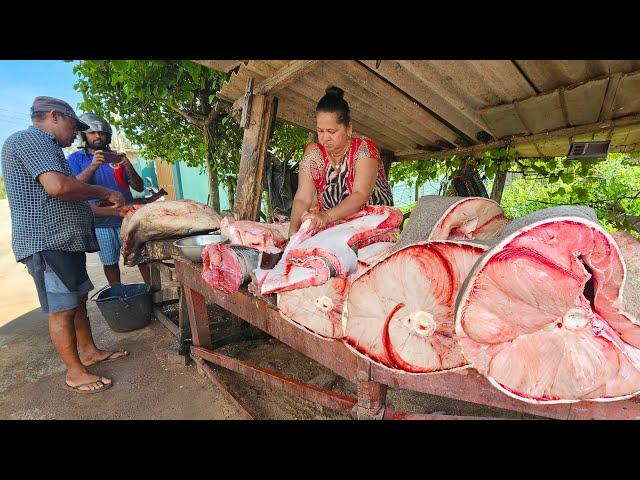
column 103, row 176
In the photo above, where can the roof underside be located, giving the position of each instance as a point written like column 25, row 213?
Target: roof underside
column 431, row 108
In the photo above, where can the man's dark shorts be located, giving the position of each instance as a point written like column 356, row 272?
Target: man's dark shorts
column 60, row 278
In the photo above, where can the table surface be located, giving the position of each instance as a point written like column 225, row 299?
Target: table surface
column 465, row 385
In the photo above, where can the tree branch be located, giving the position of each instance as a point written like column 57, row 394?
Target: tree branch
column 189, row 118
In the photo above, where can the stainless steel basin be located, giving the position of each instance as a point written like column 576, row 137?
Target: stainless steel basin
column 191, row 247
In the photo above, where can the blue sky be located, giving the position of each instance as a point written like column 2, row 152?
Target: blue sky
column 23, row 80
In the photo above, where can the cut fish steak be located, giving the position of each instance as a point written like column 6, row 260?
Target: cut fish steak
column 541, row 313
column 319, row 309
column 266, row 237
column 166, row 219
column 227, row 267
column 453, row 218
column 399, row 312
column 311, row 257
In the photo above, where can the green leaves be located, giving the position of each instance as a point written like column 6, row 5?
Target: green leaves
column 537, row 183
column 610, row 187
column 147, row 93
column 288, row 142
column 194, row 70
column 567, row 177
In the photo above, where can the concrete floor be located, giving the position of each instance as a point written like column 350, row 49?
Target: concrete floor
column 145, row 385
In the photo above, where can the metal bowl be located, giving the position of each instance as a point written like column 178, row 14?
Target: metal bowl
column 191, row 247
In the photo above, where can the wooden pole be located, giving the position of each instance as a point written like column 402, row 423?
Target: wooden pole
column 252, row 160
column 498, row 185
column 387, row 159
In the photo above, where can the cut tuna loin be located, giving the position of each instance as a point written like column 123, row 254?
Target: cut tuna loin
column 540, row 314
column 453, row 218
column 266, row 237
column 166, row 219
column 311, row 258
column 399, row 312
column 227, row 267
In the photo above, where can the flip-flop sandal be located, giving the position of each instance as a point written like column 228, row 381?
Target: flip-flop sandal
column 111, row 358
column 76, row 388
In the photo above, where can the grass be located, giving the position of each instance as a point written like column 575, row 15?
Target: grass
column 3, row 191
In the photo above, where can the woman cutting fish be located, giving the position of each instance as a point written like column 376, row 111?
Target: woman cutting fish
column 341, row 173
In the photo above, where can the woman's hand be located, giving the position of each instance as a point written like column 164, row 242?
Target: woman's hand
column 318, row 220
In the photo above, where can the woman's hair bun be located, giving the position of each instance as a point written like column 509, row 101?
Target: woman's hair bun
column 334, row 91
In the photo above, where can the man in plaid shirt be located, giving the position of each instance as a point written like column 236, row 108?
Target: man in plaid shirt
column 52, row 228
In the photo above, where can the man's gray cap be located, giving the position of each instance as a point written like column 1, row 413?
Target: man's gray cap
column 46, row 104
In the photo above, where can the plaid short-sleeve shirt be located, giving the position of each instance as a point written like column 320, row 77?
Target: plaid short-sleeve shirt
column 39, row 221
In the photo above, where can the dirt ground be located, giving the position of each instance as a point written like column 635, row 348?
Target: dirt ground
column 146, row 385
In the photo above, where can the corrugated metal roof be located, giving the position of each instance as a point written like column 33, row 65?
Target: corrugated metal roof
column 411, row 107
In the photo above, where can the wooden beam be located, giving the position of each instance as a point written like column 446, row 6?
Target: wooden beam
column 421, row 80
column 283, row 77
column 435, row 122
column 220, row 65
column 606, row 111
column 252, row 160
column 518, row 139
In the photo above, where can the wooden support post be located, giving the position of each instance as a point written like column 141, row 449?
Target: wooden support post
column 252, row 161
column 246, row 107
column 156, row 279
column 371, row 395
column 498, row 185
column 387, row 159
column 184, row 328
column 198, row 318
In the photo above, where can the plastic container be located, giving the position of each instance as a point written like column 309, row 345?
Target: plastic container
column 125, row 307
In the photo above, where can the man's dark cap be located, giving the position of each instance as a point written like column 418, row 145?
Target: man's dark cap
column 46, row 104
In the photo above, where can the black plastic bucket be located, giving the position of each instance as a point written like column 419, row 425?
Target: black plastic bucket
column 126, row 307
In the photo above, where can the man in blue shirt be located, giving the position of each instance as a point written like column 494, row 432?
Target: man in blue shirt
column 90, row 165
column 52, row 228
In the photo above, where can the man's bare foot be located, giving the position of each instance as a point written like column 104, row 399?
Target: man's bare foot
column 102, row 356
column 86, row 383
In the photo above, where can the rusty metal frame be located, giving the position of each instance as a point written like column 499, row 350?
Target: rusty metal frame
column 292, row 386
column 391, row 414
column 371, row 379
column 213, row 376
